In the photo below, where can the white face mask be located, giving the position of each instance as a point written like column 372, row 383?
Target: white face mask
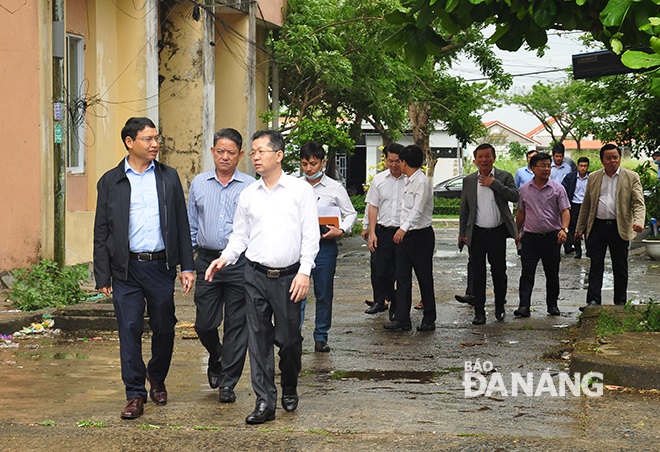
column 314, row 176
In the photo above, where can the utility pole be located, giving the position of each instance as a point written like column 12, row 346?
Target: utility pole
column 59, row 143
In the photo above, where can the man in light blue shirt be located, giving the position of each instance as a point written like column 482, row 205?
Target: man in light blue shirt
column 559, row 168
column 525, row 174
column 211, row 204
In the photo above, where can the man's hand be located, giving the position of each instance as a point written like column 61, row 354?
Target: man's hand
column 485, row 181
column 187, row 280
column 398, row 236
column 561, row 236
column 638, row 228
column 373, row 242
column 332, row 233
column 462, row 241
column 577, row 236
column 365, row 234
column 215, row 266
column 107, row 291
column 518, row 238
column 299, row 287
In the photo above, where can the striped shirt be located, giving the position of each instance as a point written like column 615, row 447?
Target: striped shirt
column 211, row 208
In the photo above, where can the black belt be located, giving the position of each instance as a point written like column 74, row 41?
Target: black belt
column 142, row 257
column 607, row 222
column 275, row 272
column 209, row 253
column 489, row 229
column 387, row 228
column 542, row 234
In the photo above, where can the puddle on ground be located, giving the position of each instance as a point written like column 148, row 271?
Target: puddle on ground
column 395, row 376
column 446, row 254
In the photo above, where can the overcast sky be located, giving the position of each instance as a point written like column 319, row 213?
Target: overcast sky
column 557, row 57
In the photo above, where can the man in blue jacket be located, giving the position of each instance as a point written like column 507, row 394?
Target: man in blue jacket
column 575, row 184
column 141, row 234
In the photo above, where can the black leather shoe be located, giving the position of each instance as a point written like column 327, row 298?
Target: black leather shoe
column 391, row 311
column 578, row 255
column 290, row 402
column 469, row 299
column 227, row 395
column 554, row 311
column 213, row 372
column 479, row 319
column 396, row 325
column 260, row 415
column 589, row 303
column 369, row 303
column 321, row 346
column 521, row 312
column 500, row 313
column 375, row 309
column 426, row 327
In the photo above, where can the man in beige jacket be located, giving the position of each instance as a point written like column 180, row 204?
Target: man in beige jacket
column 612, row 212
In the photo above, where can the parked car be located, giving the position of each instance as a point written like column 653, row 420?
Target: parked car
column 450, row 188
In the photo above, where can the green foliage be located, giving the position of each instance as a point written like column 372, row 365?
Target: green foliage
column 618, row 24
column 323, row 131
column 446, row 206
column 359, row 203
column 635, row 319
column 45, row 285
column 91, row 424
column 517, row 150
column 648, row 176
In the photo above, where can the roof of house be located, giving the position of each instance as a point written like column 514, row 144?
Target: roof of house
column 490, row 124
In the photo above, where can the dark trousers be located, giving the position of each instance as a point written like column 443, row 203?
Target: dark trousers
column 273, row 319
column 153, row 282
column 570, row 243
column 491, row 244
column 224, row 297
column 415, row 252
column 385, row 266
column 543, row 247
column 605, row 234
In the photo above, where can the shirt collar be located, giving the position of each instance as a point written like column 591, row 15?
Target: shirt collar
column 128, row 167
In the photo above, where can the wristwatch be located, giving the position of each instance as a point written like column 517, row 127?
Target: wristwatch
column 565, row 230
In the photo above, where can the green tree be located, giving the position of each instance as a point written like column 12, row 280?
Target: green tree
column 426, row 26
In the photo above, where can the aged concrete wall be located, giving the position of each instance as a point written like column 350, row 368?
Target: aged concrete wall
column 22, row 137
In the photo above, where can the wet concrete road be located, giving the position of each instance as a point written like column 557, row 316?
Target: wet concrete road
column 376, row 390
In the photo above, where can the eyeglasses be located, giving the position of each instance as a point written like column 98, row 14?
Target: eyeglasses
column 260, row 152
column 226, row 152
column 543, row 166
column 157, row 139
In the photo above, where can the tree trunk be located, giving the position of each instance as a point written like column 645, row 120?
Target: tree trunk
column 419, row 120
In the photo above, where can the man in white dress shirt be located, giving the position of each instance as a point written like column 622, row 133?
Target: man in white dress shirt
column 330, row 194
column 415, row 242
column 276, row 224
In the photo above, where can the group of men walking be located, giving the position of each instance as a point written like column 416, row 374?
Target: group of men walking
column 257, row 242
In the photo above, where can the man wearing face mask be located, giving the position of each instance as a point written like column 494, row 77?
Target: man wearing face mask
column 330, row 195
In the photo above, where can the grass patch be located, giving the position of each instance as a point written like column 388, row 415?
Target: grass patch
column 465, row 435
column 318, row 431
column 634, row 319
column 527, row 328
column 145, row 426
column 90, row 424
column 205, row 427
column 48, row 423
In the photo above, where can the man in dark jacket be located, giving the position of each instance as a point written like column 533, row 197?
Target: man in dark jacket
column 575, row 184
column 141, row 234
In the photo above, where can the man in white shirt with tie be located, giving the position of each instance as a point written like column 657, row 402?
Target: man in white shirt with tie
column 276, row 224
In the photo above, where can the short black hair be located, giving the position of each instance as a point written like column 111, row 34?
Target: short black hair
column 583, row 159
column 609, row 147
column 539, row 157
column 531, row 152
column 412, row 155
column 275, row 138
column 230, row 134
column 484, row 146
column 312, row 149
column 558, row 148
column 656, row 154
column 392, row 148
column 134, row 126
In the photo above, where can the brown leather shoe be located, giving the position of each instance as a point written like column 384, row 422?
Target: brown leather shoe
column 158, row 393
column 134, row 409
